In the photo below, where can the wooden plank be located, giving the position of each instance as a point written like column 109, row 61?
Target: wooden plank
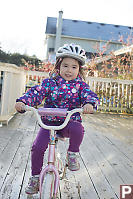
column 28, row 122
column 26, row 177
column 110, row 174
column 7, row 132
column 88, row 189
column 69, row 190
column 13, row 160
column 12, row 184
column 121, row 146
column 20, row 122
column 8, row 156
column 98, row 176
column 123, row 163
column 67, row 186
column 114, row 125
column 27, row 174
column 5, row 137
column 102, row 186
column 120, row 163
column 125, row 148
column 117, row 129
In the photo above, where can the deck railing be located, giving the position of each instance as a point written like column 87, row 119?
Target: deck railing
column 34, row 77
column 114, row 95
column 13, row 83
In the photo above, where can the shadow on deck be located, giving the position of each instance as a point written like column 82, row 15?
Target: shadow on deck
column 106, row 157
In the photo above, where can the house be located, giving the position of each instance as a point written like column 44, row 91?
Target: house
column 93, row 37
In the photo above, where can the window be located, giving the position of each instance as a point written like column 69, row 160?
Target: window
column 51, row 50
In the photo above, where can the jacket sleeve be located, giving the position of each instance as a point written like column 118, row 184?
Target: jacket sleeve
column 88, row 96
column 35, row 95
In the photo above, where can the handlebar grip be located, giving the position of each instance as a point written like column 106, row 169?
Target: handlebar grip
column 52, row 112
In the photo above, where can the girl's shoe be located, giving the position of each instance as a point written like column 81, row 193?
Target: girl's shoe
column 33, row 185
column 72, row 161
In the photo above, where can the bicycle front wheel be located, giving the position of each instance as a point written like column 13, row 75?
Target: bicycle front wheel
column 48, row 186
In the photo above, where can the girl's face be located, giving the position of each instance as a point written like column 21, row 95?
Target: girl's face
column 69, row 69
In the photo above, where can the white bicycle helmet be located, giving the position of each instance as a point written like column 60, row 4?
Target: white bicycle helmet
column 73, row 51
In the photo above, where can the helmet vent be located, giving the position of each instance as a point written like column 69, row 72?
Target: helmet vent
column 60, row 51
column 81, row 51
column 71, row 48
column 76, row 48
column 66, row 49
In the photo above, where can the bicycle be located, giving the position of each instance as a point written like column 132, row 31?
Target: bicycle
column 50, row 176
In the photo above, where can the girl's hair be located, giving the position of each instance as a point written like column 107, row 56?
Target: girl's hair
column 55, row 72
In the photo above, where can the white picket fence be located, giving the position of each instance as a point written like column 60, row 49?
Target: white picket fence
column 114, row 95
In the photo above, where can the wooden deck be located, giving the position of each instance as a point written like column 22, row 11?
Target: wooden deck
column 106, row 157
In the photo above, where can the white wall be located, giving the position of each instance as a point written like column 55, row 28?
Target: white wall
column 13, row 86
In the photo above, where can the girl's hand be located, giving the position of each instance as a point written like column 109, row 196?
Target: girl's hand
column 20, row 106
column 87, row 108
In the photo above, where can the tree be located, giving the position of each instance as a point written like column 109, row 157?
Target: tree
column 112, row 65
column 18, row 59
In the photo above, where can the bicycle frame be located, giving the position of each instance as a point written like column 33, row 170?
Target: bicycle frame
column 51, row 154
column 51, row 165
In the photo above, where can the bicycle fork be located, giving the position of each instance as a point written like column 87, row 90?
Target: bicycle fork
column 50, row 167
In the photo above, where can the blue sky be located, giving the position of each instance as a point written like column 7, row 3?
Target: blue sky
column 23, row 23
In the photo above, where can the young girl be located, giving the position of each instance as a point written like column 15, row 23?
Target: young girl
column 65, row 89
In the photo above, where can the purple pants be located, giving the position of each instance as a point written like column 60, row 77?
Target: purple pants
column 74, row 130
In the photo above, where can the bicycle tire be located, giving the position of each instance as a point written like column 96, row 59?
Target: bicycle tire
column 47, row 186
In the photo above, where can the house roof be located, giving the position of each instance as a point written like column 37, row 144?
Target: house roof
column 90, row 30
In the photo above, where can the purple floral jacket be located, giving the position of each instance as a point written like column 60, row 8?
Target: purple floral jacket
column 59, row 93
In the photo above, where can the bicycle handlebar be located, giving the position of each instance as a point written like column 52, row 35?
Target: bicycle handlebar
column 52, row 111
column 69, row 114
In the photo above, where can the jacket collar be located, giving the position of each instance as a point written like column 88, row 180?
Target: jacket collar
column 62, row 80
